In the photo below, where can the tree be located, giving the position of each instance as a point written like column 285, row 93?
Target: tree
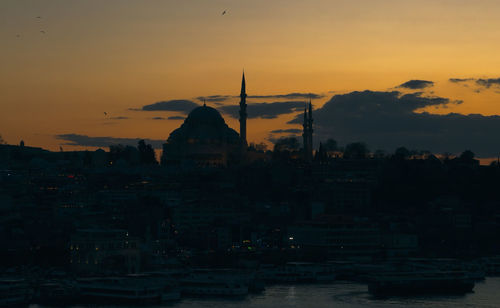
column 87, row 159
column 285, row 147
column 402, row 153
column 379, row 154
column 1, row 140
column 287, row 144
column 330, row 145
column 127, row 153
column 356, row 150
column 321, row 154
column 257, row 147
column 146, row 153
column 467, row 156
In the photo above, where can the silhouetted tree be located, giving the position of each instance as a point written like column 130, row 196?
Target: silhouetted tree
column 163, row 158
column 285, row 147
column 330, row 145
column 321, row 154
column 257, row 147
column 447, row 156
column 467, row 156
column 379, row 154
column 402, row 153
column 21, row 144
column 1, row 140
column 289, row 144
column 127, row 153
column 146, row 153
column 87, row 159
column 356, row 150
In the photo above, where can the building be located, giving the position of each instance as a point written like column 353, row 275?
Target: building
column 94, row 251
column 307, row 134
column 204, row 139
column 337, row 237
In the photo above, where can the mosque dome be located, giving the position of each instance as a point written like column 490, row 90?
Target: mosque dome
column 204, row 125
column 205, row 114
column 203, row 138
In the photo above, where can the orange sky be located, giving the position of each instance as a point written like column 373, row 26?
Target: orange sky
column 113, row 55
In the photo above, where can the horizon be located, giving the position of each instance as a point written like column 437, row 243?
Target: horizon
column 66, row 76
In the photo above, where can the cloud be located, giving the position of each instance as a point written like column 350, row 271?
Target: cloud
column 487, row 83
column 265, row 110
column 169, row 118
column 387, row 120
column 416, row 84
column 290, row 96
column 481, row 82
column 87, row 141
column 214, row 98
column 459, row 80
column 287, row 131
column 179, row 105
column 273, row 139
column 119, row 118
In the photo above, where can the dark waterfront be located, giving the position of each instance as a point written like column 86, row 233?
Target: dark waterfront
column 342, row 295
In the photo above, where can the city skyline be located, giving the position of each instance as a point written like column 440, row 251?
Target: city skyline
column 85, row 68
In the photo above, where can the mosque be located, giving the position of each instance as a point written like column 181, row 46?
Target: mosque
column 206, row 140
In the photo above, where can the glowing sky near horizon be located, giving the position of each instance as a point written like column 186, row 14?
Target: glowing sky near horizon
column 110, row 56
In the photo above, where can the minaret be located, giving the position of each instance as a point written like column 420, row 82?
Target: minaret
column 310, row 131
column 305, row 134
column 243, row 112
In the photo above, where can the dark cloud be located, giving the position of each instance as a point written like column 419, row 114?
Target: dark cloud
column 481, row 82
column 214, row 98
column 179, row 105
column 119, row 118
column 488, row 82
column 459, row 80
column 290, row 96
column 273, row 139
column 387, row 120
column 169, row 118
column 176, row 118
column 87, row 141
column 287, row 131
column 416, row 84
column 265, row 110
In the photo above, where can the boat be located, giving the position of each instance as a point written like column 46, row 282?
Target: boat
column 56, row 293
column 298, row 272
column 214, row 283
column 491, row 266
column 14, row 291
column 423, row 282
column 168, row 280
column 129, row 290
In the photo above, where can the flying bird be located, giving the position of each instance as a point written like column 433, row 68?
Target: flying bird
column 42, row 32
column 105, row 113
column 39, row 17
column 18, row 35
column 224, row 13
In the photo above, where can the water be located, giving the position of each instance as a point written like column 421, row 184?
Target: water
column 345, row 295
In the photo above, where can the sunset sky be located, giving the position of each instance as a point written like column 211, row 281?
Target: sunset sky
column 116, row 56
